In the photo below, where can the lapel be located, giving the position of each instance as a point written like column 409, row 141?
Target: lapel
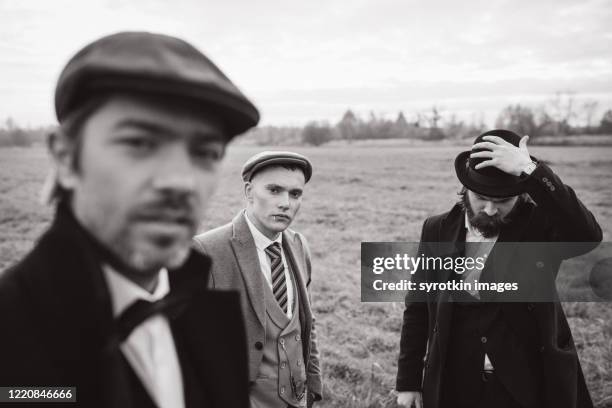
column 451, row 238
column 291, row 248
column 70, row 293
column 189, row 331
column 248, row 262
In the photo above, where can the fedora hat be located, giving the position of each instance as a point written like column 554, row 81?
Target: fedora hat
column 489, row 181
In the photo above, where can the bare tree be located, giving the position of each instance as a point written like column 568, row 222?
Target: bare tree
column 589, row 108
column 563, row 111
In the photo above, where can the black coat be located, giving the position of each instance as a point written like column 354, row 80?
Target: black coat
column 557, row 216
column 56, row 319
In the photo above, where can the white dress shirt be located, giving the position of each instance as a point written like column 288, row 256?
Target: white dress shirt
column 150, row 348
column 474, row 251
column 261, row 243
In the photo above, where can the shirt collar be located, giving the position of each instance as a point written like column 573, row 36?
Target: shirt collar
column 124, row 292
column 261, row 241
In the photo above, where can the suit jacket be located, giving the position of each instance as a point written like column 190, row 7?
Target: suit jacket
column 557, row 216
column 57, row 317
column 235, row 266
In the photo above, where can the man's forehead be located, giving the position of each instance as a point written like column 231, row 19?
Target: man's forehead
column 125, row 111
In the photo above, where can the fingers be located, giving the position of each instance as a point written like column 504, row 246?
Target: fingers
column 497, row 140
column 418, row 402
column 523, row 142
column 486, row 163
column 486, row 146
column 483, row 153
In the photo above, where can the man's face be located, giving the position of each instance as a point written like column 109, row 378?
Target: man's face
column 274, row 196
column 488, row 214
column 147, row 170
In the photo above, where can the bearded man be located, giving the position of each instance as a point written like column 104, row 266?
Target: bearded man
column 459, row 350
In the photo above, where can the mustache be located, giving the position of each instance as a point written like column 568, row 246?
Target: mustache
column 170, row 208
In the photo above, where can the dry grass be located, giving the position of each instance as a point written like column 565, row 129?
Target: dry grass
column 357, row 194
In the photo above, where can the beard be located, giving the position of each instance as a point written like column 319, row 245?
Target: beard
column 489, row 225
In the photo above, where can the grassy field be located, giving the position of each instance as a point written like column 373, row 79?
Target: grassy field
column 380, row 193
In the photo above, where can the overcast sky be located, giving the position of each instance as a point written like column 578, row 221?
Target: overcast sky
column 313, row 59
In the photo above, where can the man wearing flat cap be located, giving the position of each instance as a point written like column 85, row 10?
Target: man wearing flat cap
column 112, row 299
column 258, row 255
column 458, row 348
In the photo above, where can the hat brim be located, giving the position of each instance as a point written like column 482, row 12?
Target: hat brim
column 238, row 115
column 491, row 188
column 279, row 161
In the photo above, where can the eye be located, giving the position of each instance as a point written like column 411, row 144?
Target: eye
column 296, row 194
column 209, row 152
column 138, row 143
column 274, row 190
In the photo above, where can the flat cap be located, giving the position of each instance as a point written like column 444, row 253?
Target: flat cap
column 152, row 63
column 269, row 158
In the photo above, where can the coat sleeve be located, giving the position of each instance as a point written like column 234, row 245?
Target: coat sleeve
column 570, row 221
column 414, row 334
column 313, row 375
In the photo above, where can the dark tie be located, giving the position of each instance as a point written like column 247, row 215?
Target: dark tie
column 279, row 284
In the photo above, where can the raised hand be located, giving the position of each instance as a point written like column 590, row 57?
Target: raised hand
column 503, row 155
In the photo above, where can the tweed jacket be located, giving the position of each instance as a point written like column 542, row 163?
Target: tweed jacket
column 557, row 216
column 235, row 266
column 56, row 309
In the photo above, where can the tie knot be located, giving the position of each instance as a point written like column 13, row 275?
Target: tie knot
column 273, row 250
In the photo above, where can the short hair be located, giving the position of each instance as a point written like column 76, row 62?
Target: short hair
column 71, row 129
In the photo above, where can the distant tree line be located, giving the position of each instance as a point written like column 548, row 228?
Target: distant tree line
column 562, row 115
column 11, row 134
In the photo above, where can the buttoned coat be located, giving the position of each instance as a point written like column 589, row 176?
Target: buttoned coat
column 235, row 266
column 56, row 311
column 557, row 216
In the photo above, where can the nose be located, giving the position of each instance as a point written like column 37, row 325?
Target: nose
column 174, row 172
column 490, row 208
column 283, row 201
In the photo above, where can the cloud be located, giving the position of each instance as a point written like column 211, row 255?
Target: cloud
column 306, row 59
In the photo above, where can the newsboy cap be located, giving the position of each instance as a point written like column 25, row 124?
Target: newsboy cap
column 489, row 181
column 268, row 158
column 152, row 64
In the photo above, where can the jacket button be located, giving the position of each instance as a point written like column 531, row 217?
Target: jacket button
column 297, row 337
column 258, row 345
column 299, row 362
column 483, row 339
column 540, row 264
column 435, row 330
column 552, row 188
column 282, row 341
column 545, row 179
column 283, row 365
column 282, row 390
column 530, row 307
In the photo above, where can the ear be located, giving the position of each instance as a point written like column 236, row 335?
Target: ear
column 248, row 191
column 62, row 152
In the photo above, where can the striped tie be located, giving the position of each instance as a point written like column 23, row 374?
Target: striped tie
column 279, row 285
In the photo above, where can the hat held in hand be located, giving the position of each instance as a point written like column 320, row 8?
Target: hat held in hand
column 489, row 181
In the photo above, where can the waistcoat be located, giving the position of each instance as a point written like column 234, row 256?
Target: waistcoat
column 282, row 372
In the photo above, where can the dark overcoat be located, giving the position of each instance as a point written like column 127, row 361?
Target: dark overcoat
column 556, row 215
column 56, row 315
